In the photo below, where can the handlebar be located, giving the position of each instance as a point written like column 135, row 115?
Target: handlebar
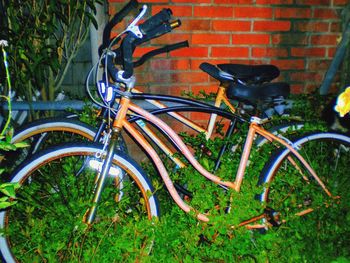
column 165, row 49
column 163, row 16
column 153, row 27
column 117, row 18
column 113, row 71
column 131, row 41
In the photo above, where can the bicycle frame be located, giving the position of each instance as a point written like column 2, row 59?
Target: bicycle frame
column 186, row 105
column 220, row 99
column 121, row 122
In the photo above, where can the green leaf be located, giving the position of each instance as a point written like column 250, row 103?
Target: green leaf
column 7, row 146
column 21, row 144
column 91, row 4
column 4, row 203
column 92, row 20
column 9, row 189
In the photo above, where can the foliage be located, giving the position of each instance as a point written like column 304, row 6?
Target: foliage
column 7, row 189
column 179, row 237
column 345, row 69
column 44, row 37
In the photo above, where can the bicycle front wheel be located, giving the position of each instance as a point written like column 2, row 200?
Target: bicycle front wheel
column 289, row 191
column 56, row 190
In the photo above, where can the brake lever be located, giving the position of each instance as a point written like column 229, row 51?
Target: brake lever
column 133, row 28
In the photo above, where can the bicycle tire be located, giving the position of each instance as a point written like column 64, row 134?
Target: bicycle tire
column 50, row 206
column 69, row 125
column 41, row 134
column 287, row 195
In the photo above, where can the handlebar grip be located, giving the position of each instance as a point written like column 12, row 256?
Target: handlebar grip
column 163, row 16
column 114, row 21
column 124, row 12
column 175, row 24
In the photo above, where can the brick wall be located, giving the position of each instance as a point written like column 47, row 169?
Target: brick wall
column 299, row 36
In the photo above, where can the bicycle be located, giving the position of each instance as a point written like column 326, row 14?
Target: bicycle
column 295, row 182
column 246, row 84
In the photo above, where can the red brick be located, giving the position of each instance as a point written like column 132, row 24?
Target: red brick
column 308, row 52
column 293, row 64
column 233, row 2
column 297, row 88
column 195, row 63
column 178, row 11
column 310, row 26
column 191, row 52
column 274, row 2
column 200, row 117
column 168, row 64
column 172, row 89
column 258, row 39
column 181, row 91
column 207, row 88
column 171, row 38
column 188, row 77
column 340, row 2
column 250, row 32
column 269, row 52
column 231, row 25
column 306, row 76
column 272, row 25
column 252, row 12
column 293, row 39
column 195, row 24
column 229, row 52
column 336, row 27
column 326, row 13
column 286, row 12
column 211, row 39
column 192, row 1
column 318, row 64
column 313, row 2
column 331, row 52
column 141, row 77
column 152, row 1
column 209, row 11
column 311, row 87
column 160, row 77
column 139, row 51
column 324, row 39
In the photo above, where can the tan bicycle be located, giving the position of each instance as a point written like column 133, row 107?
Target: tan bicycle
column 91, row 188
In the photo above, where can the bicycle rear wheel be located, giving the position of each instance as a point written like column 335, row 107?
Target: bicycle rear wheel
column 56, row 190
column 290, row 192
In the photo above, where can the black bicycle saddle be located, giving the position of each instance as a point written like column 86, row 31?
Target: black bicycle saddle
column 237, row 89
column 254, row 74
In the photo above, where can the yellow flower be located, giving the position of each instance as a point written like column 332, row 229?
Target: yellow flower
column 343, row 103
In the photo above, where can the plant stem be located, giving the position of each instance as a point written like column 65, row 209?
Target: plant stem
column 3, row 43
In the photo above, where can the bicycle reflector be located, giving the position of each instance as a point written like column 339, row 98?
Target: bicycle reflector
column 97, row 165
column 106, row 92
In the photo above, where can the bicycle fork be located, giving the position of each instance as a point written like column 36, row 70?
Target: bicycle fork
column 101, row 179
column 107, row 162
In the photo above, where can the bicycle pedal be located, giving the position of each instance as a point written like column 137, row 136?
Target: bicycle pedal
column 272, row 216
